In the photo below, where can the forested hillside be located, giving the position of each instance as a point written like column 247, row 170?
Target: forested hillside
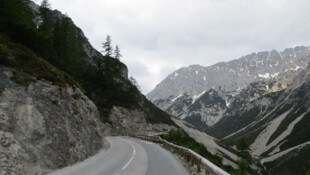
column 54, row 37
column 59, row 97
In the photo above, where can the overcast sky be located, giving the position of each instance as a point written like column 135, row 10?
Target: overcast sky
column 157, row 37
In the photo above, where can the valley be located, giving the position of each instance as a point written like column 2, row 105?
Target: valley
column 68, row 108
column 269, row 112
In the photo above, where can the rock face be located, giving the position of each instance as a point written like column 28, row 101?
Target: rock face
column 44, row 126
column 210, row 108
column 11, row 155
column 136, row 123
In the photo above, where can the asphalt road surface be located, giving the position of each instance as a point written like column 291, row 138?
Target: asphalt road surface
column 128, row 156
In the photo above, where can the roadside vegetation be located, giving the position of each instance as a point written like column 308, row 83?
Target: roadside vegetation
column 180, row 137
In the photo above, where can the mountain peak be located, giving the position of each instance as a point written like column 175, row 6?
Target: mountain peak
column 232, row 75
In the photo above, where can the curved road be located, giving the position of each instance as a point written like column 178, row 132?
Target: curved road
column 128, row 156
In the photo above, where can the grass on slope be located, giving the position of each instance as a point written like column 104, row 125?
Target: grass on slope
column 180, row 137
column 20, row 58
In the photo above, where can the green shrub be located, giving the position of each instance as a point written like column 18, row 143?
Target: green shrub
column 180, row 137
column 76, row 96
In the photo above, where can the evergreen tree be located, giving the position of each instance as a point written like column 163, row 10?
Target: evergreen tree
column 245, row 159
column 45, row 4
column 17, row 22
column 117, row 53
column 15, row 16
column 68, row 47
column 107, row 46
column 134, row 82
column 243, row 145
column 46, row 23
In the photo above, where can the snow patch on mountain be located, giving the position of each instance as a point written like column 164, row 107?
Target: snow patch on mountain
column 176, row 98
column 195, row 97
column 296, row 68
column 267, row 75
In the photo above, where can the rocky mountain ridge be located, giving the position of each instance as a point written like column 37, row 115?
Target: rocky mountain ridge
column 183, row 88
column 214, row 105
column 232, row 75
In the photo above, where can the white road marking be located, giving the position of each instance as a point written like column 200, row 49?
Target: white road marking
column 111, row 145
column 128, row 163
column 132, row 157
column 134, row 150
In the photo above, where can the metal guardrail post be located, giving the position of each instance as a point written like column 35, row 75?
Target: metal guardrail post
column 188, row 157
column 193, row 161
column 198, row 166
column 207, row 172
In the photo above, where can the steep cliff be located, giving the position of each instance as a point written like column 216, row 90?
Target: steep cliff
column 44, row 126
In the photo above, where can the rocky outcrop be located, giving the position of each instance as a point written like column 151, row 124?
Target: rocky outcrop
column 12, row 155
column 127, row 120
column 45, row 126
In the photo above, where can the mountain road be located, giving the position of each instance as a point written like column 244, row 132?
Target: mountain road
column 128, row 156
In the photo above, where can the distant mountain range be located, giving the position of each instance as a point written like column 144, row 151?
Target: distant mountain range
column 263, row 98
column 179, row 92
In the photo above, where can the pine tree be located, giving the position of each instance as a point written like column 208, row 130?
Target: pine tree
column 46, row 23
column 107, row 46
column 134, row 82
column 15, row 15
column 45, row 4
column 68, row 47
column 117, row 53
column 245, row 159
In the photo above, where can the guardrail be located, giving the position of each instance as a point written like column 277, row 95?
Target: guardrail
column 189, row 155
column 155, row 139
